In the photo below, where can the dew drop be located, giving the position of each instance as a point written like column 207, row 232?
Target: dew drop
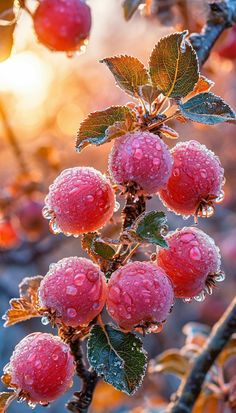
column 32, row 405
column 195, row 254
column 219, row 277
column 220, row 198
column 90, row 198
column 79, row 279
column 203, row 173
column 138, row 154
column 54, row 227
column 200, row 297
column 28, row 379
column 117, row 206
column 71, row 312
column 71, row 290
column 45, row 320
column 38, row 364
column 55, row 357
column 187, row 300
column 176, row 172
column 47, row 212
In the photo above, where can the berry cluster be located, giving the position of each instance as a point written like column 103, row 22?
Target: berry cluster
column 138, row 295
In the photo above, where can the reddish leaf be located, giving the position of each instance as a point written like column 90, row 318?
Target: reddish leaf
column 26, row 306
column 5, row 399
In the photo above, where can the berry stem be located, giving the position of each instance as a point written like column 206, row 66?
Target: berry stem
column 222, row 16
column 81, row 400
column 191, row 387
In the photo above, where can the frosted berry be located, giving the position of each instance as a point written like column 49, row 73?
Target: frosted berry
column 80, row 200
column 74, row 291
column 141, row 157
column 192, row 262
column 42, row 367
column 62, row 25
column 139, row 295
column 196, row 180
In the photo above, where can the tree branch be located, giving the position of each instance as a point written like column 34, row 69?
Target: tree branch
column 81, row 401
column 191, row 387
column 222, row 16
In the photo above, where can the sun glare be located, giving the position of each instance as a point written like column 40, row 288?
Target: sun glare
column 27, row 75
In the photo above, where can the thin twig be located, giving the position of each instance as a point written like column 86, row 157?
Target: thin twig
column 81, row 401
column 222, row 16
column 12, row 140
column 191, row 387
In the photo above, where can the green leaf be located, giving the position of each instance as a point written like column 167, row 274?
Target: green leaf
column 174, row 65
column 121, row 128
column 130, row 7
column 93, row 128
column 207, row 108
column 129, row 73
column 103, row 249
column 149, row 227
column 118, row 357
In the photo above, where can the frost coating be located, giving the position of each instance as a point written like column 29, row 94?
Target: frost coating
column 62, row 25
column 191, row 257
column 141, row 157
column 196, row 175
column 42, row 367
column 80, row 200
column 75, row 289
column 139, row 294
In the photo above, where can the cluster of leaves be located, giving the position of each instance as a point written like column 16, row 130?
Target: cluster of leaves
column 170, row 88
column 218, row 390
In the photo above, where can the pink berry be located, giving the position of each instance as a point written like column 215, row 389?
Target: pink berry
column 139, row 295
column 74, row 290
column 62, row 25
column 80, row 200
column 192, row 262
column 141, row 157
column 42, row 367
column 30, row 217
column 196, row 180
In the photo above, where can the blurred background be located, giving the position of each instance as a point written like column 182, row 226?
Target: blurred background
column 43, row 98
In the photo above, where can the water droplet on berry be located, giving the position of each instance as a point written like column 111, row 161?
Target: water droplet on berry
column 219, row 277
column 79, row 279
column 47, row 212
column 38, row 364
column 195, row 254
column 90, row 198
column 55, row 357
column 187, row 300
column 71, row 290
column 71, row 312
column 203, row 173
column 92, row 276
column 176, row 172
column 54, row 227
column 117, row 206
column 45, row 320
column 28, row 379
column 200, row 297
column 220, row 198
column 32, row 405
column 96, row 306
